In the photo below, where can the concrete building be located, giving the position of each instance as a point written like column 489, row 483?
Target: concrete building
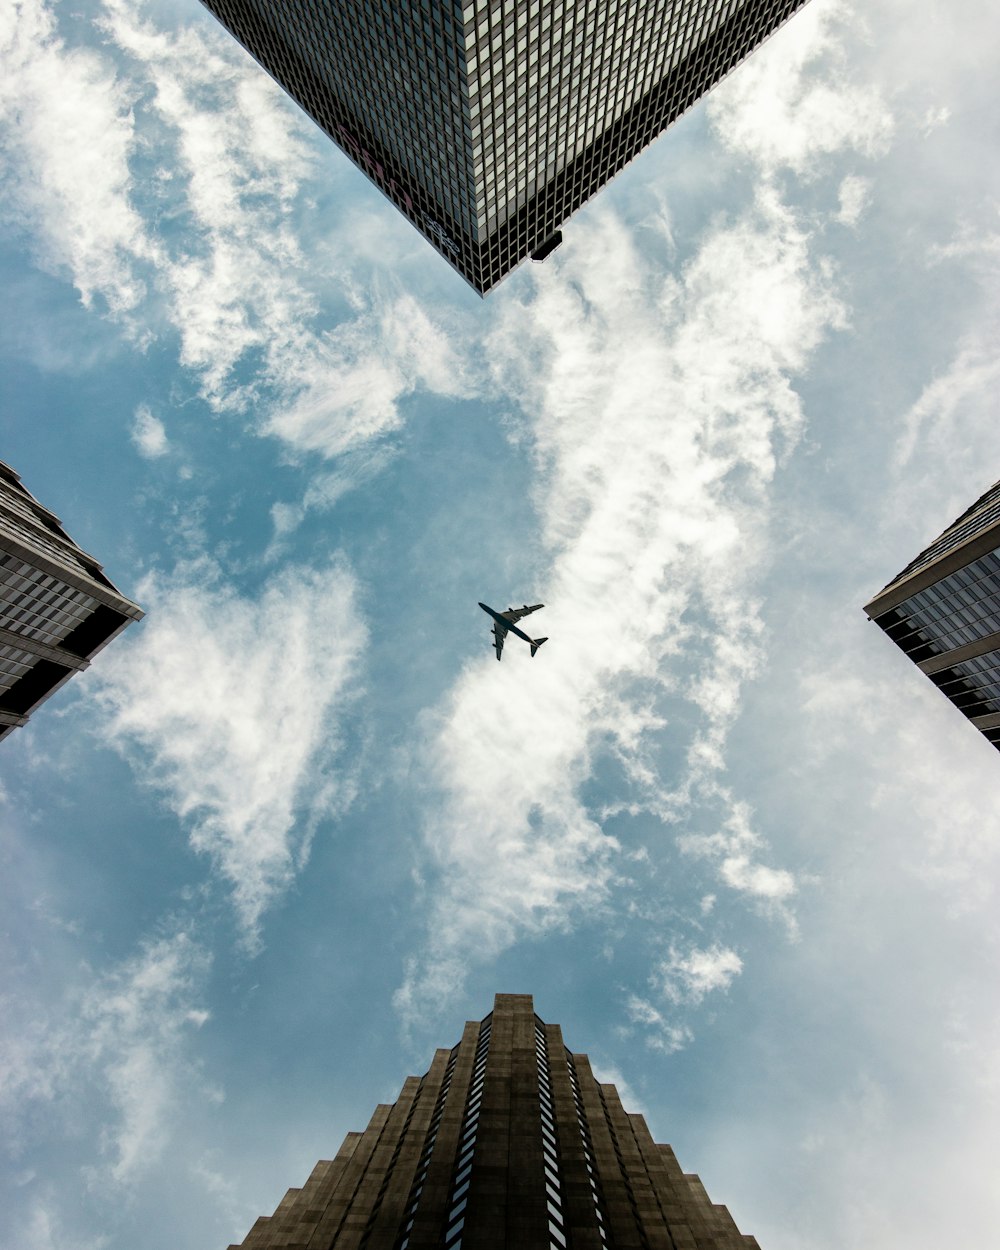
column 943, row 611
column 488, row 122
column 506, row 1143
column 57, row 609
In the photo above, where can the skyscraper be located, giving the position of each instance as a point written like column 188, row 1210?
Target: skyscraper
column 506, row 1143
column 488, row 122
column 57, row 609
column 943, row 611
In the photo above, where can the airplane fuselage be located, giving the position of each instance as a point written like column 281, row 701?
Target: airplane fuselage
column 505, row 624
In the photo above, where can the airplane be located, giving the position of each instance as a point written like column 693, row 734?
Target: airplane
column 504, row 621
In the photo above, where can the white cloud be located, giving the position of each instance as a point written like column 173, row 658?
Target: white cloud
column 234, row 280
column 659, row 405
column 882, row 725
column 943, row 458
column 235, row 285
column 949, row 404
column 354, row 469
column 799, row 99
column 68, row 136
column 347, row 389
column 935, row 117
column 231, row 706
column 946, row 450
column 735, row 850
column 44, row 1229
column 120, row 1039
column 138, row 1018
column 148, row 434
column 854, row 194
column 663, row 1035
column 681, row 981
column 686, row 977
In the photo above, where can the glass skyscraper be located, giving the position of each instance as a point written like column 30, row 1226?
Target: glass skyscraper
column 489, row 122
column 508, row 1142
column 943, row 611
column 57, row 609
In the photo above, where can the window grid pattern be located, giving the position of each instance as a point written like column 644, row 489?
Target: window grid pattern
column 15, row 500
column 462, row 1178
column 14, row 663
column 401, row 1138
column 526, row 1104
column 546, row 79
column 40, row 606
column 983, row 513
column 550, row 1144
column 411, row 86
column 23, row 517
column 51, row 548
column 955, row 611
column 489, row 124
column 424, row 1162
column 629, row 1191
column 588, row 1148
column 972, row 685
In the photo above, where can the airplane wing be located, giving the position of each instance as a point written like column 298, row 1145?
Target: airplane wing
column 498, row 637
column 515, row 614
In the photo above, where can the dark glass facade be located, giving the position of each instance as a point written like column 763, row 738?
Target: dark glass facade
column 508, row 1141
column 943, row 611
column 57, row 609
column 959, row 609
column 489, row 122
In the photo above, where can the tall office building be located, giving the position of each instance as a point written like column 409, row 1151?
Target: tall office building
column 57, row 609
column 943, row 611
column 488, row 122
column 506, row 1143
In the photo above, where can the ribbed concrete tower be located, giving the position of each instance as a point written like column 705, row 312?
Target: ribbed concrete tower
column 507, row 1143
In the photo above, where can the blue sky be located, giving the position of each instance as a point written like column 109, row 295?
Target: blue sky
column 297, row 826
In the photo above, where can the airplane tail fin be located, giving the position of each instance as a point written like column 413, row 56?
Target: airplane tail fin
column 536, row 643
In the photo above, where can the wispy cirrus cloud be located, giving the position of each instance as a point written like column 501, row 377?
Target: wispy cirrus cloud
column 947, row 435
column 43, row 1228
column 736, row 850
column 231, row 707
column 884, row 717
column 138, row 1019
column 659, row 405
column 662, row 1033
column 237, row 287
column 68, row 139
column 353, row 470
column 348, row 387
column 119, row 1039
column 245, row 291
column 854, row 194
column 798, row 101
column 148, row 434
column 682, row 980
column 687, row 976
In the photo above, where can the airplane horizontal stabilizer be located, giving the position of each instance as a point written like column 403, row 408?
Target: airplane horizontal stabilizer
column 536, row 644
